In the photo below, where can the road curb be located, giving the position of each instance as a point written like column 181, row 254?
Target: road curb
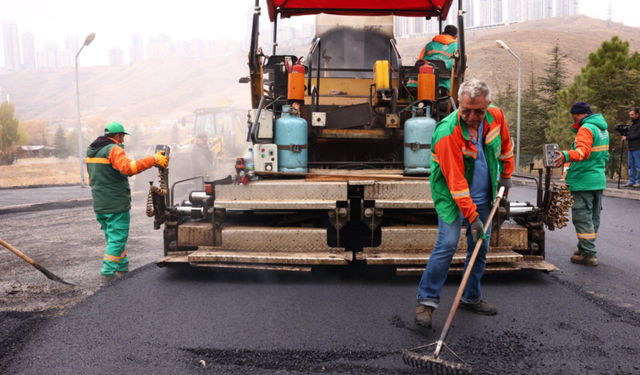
column 71, row 203
column 608, row 192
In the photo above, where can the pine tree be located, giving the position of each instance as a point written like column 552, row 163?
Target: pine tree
column 554, row 78
column 507, row 101
column 611, row 75
column 559, row 126
column 533, row 122
column 60, row 144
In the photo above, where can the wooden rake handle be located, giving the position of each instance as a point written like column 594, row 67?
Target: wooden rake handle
column 467, row 273
column 32, row 262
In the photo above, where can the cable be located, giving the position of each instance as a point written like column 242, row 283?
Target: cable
column 161, row 191
column 559, row 206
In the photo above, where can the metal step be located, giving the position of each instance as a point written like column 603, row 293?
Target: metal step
column 207, row 254
column 529, row 262
column 404, row 238
column 495, row 255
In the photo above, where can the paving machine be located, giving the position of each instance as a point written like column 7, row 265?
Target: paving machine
column 341, row 158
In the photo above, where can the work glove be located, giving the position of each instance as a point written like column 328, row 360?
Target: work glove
column 162, row 161
column 477, row 229
column 506, row 182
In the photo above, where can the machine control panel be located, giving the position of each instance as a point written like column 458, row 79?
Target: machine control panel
column 265, row 123
column 165, row 148
column 265, row 157
column 548, row 154
column 319, row 119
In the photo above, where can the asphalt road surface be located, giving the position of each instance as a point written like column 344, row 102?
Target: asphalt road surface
column 578, row 320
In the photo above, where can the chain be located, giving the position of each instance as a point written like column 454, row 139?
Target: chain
column 559, row 207
column 161, row 191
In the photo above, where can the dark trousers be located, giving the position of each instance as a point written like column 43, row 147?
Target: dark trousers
column 586, row 219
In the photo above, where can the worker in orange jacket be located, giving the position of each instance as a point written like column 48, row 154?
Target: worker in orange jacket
column 471, row 158
column 109, row 171
column 443, row 47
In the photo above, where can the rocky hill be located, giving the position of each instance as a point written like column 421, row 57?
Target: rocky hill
column 173, row 88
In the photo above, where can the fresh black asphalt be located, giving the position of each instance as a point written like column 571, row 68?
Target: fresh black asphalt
column 578, row 320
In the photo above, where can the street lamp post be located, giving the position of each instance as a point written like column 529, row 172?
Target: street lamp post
column 503, row 45
column 87, row 41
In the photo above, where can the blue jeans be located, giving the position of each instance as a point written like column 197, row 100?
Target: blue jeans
column 634, row 166
column 437, row 269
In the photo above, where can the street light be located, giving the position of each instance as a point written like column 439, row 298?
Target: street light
column 87, row 41
column 503, row 45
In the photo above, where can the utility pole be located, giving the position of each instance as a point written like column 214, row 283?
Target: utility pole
column 87, row 41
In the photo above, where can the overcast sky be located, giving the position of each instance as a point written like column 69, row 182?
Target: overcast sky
column 114, row 21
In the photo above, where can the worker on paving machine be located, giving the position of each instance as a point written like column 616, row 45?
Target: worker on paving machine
column 109, row 169
column 472, row 157
column 443, row 47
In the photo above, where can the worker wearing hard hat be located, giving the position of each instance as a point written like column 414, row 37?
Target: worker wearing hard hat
column 443, row 47
column 109, row 169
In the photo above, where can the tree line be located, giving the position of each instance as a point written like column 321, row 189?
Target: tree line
column 609, row 82
column 64, row 143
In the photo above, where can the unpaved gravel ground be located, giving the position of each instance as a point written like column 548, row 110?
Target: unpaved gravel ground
column 45, row 236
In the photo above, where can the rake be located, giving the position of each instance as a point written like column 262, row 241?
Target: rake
column 32, row 262
column 433, row 363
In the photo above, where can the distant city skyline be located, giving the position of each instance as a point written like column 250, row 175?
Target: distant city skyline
column 45, row 29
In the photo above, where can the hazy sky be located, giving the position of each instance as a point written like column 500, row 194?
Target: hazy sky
column 114, row 21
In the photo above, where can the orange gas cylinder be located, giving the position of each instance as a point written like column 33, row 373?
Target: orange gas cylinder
column 426, row 83
column 296, row 83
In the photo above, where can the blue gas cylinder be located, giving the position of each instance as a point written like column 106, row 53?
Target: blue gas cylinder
column 418, row 131
column 291, row 138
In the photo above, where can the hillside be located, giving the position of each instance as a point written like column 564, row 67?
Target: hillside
column 171, row 89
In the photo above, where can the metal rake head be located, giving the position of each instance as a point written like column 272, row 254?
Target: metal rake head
column 434, row 365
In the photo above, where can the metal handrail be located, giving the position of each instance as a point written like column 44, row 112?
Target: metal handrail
column 394, row 48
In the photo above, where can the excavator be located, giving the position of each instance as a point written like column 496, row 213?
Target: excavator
column 340, row 169
column 224, row 126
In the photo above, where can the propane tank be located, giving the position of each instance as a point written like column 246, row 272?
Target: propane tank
column 296, row 83
column 426, row 83
column 418, row 131
column 291, row 139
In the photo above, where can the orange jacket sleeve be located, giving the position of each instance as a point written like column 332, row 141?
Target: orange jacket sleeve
column 506, row 151
column 451, row 162
column 421, row 55
column 121, row 162
column 584, row 142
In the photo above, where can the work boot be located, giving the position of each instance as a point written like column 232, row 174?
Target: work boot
column 577, row 252
column 585, row 261
column 104, row 280
column 119, row 274
column 628, row 184
column 482, row 308
column 636, row 186
column 423, row 315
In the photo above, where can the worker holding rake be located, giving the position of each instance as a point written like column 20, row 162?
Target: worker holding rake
column 472, row 156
